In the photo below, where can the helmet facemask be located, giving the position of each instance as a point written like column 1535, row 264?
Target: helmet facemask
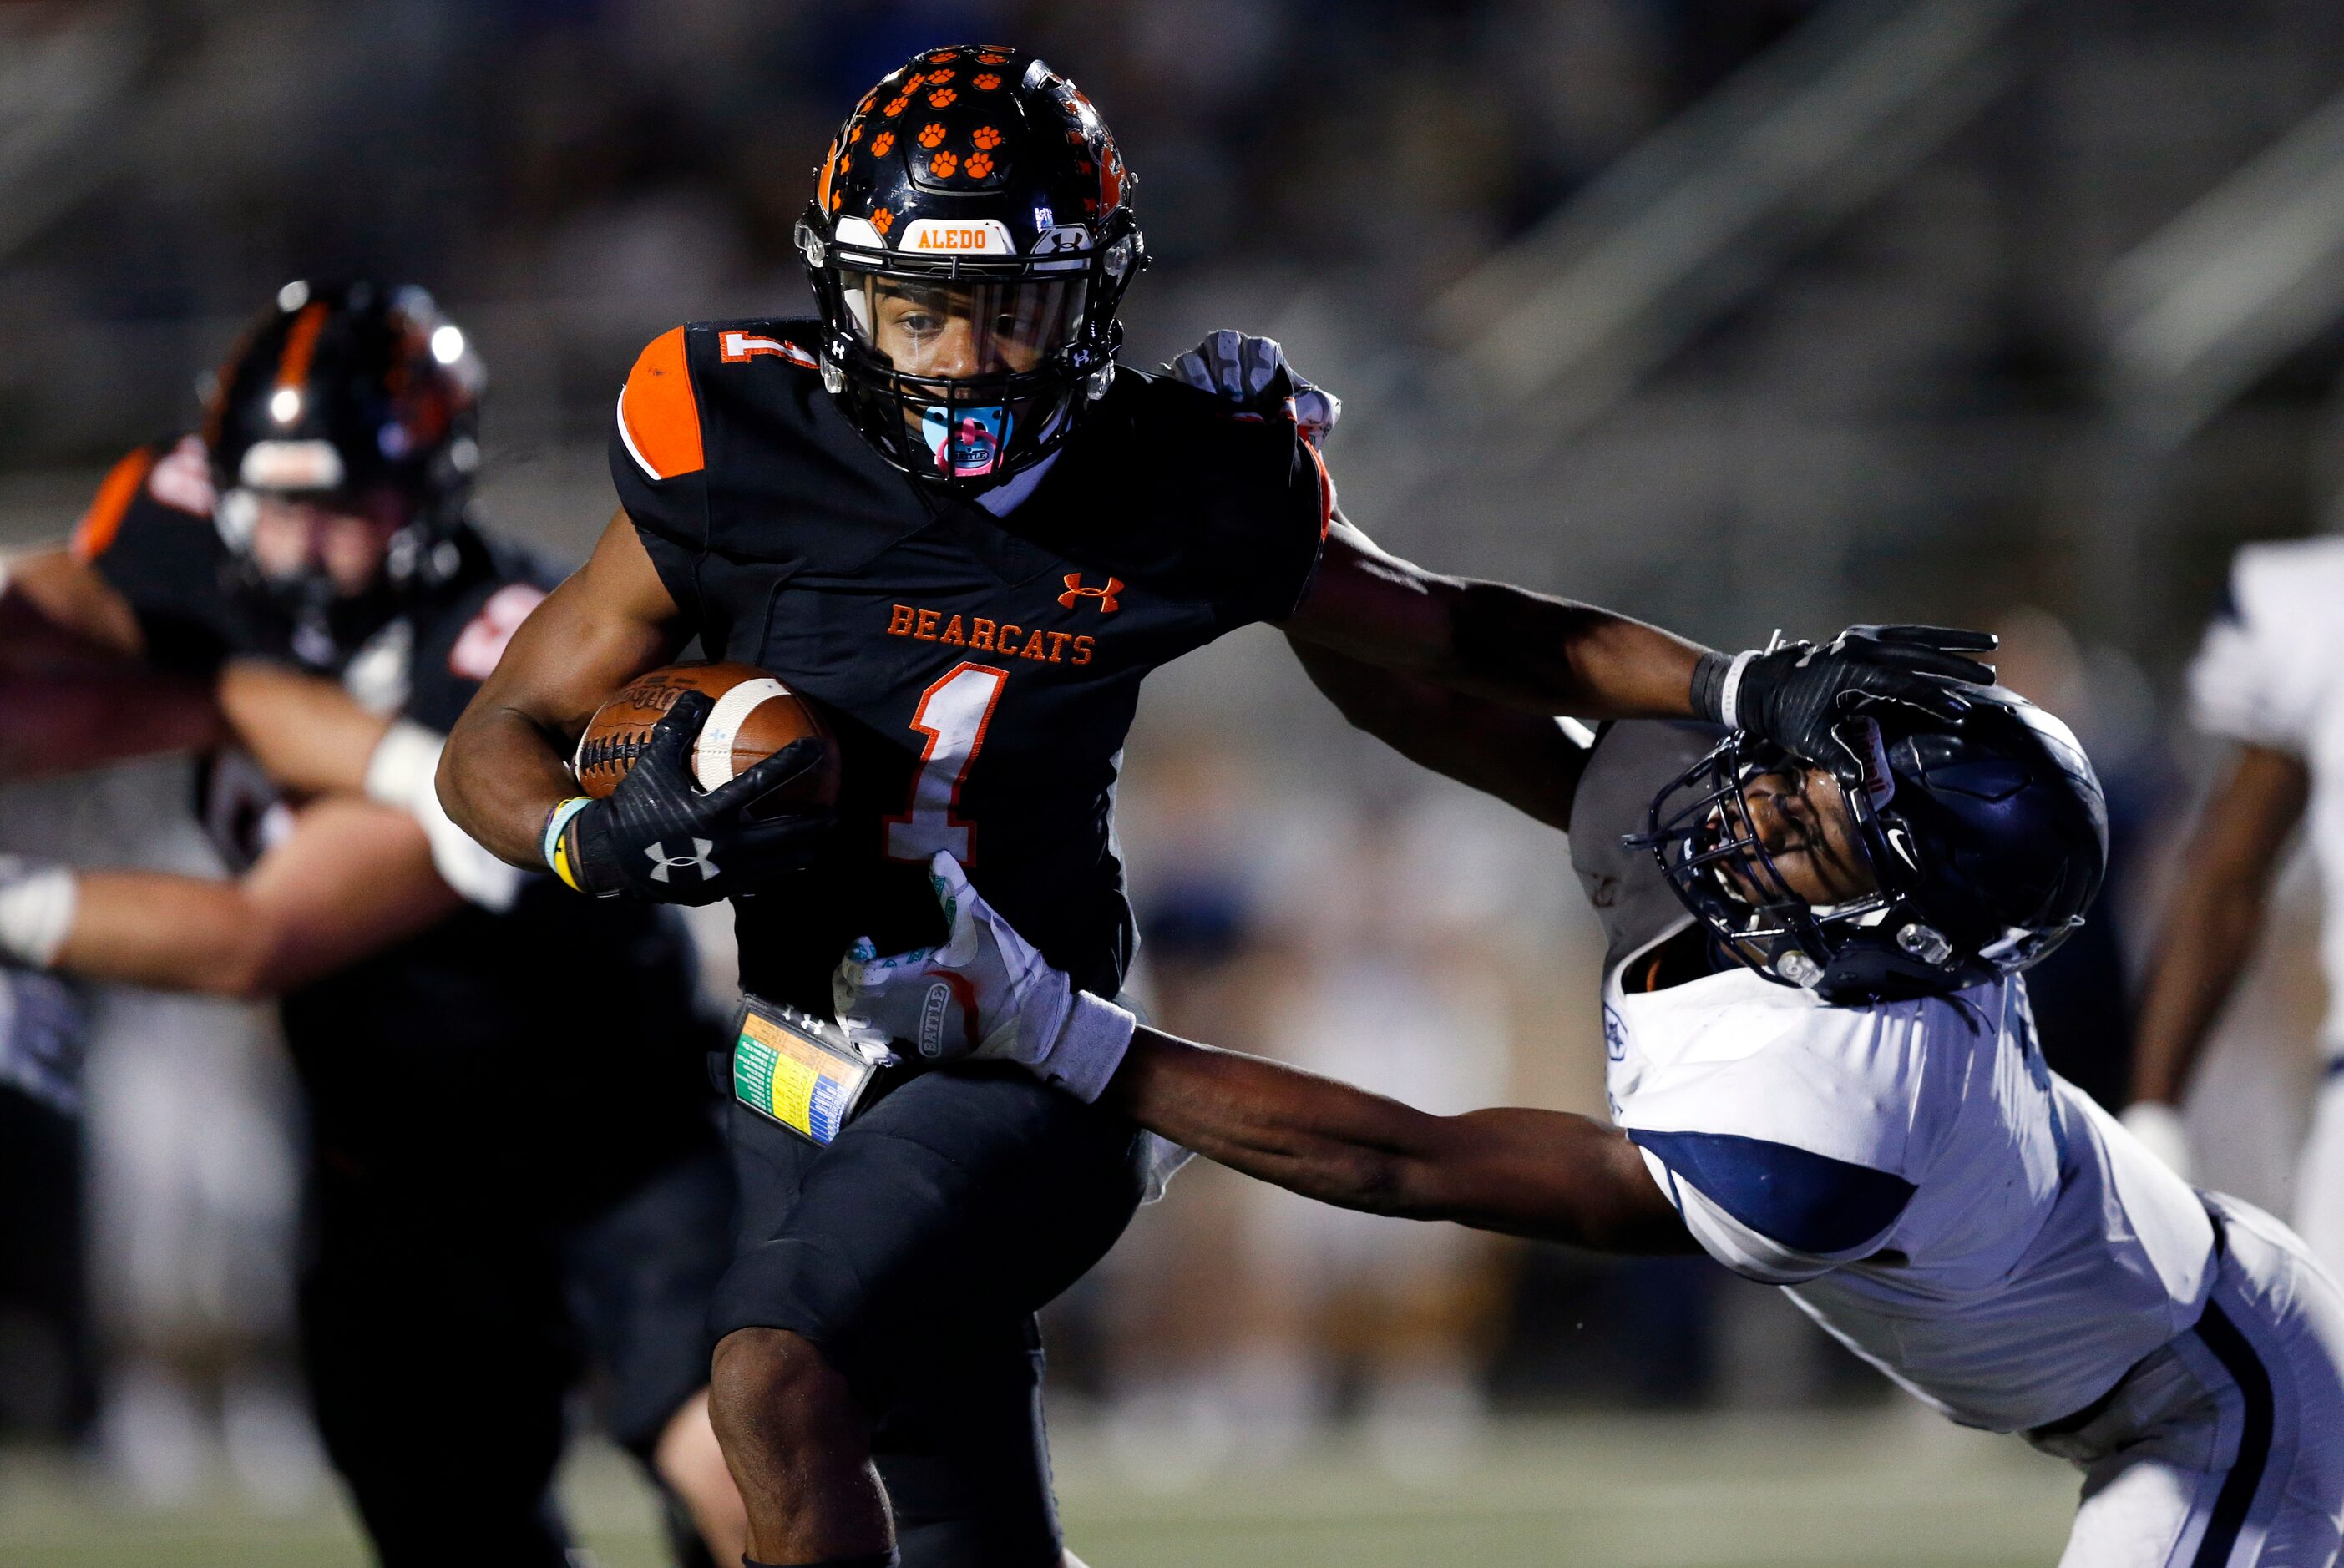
column 327, row 613
column 1707, row 836
column 966, row 371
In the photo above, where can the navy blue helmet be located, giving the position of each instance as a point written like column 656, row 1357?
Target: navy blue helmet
column 1986, row 836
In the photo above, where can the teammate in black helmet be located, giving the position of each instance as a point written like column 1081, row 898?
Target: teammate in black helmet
column 513, row 1175
column 943, row 510
column 342, row 442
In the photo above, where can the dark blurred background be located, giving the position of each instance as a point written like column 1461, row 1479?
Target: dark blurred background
column 1737, row 314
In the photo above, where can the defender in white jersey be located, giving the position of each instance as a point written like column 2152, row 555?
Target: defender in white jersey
column 1823, row 1074
column 2269, row 678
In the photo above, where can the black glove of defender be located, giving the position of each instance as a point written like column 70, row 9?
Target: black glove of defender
column 1795, row 693
column 659, row 837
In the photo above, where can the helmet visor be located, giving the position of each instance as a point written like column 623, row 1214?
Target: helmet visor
column 965, row 329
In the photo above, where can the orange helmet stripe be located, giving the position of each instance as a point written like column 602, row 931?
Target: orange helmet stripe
column 658, row 414
column 301, row 346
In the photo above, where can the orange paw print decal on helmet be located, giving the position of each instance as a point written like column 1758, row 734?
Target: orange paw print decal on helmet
column 943, row 165
column 979, row 165
column 853, row 134
column 895, row 106
column 883, row 220
column 985, row 83
column 993, row 59
column 940, row 77
column 883, row 144
column 931, row 134
column 943, row 98
column 940, row 57
column 986, row 137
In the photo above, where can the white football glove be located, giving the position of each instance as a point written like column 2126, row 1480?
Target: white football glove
column 2160, row 1129
column 44, row 1034
column 1252, row 373
column 404, row 772
column 984, row 995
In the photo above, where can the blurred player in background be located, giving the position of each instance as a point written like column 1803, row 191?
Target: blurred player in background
column 2268, row 678
column 943, row 511
column 514, row 1176
column 1823, row 1074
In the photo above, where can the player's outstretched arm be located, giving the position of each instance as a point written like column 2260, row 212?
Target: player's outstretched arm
column 2215, row 915
column 1530, row 650
column 1524, row 758
column 1537, row 1173
column 502, row 770
column 1553, row 655
column 307, row 732
column 311, row 737
column 987, row 993
column 351, row 878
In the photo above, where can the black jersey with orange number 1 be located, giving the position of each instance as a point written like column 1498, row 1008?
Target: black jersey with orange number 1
column 982, row 671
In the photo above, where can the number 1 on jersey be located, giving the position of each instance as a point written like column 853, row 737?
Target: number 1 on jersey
column 953, row 714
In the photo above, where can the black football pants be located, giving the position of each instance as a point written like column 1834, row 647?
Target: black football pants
column 913, row 1252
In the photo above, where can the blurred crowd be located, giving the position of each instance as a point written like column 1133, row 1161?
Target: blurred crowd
column 627, row 159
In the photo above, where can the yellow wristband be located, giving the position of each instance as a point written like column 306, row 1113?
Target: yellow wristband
column 555, row 850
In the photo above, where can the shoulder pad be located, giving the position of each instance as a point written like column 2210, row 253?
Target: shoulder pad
column 177, row 476
column 659, row 414
column 2293, row 581
column 1201, row 436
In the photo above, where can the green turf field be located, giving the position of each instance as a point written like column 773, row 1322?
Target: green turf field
column 1690, row 1492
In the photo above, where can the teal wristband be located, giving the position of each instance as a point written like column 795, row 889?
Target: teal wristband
column 550, row 841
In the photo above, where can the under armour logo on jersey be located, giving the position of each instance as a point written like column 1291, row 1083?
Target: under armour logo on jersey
column 664, row 863
column 1076, row 591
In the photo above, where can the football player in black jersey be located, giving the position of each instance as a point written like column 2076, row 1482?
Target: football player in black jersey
column 943, row 511
column 514, row 1178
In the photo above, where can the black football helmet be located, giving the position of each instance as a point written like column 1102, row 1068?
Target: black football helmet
column 975, row 183
column 1986, row 836
column 338, row 392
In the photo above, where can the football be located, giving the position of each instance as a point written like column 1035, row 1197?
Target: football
column 755, row 715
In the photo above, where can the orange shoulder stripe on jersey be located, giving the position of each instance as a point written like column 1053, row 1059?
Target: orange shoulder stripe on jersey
column 659, row 418
column 116, row 492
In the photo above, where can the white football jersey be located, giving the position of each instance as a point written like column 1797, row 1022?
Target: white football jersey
column 2271, row 673
column 1917, row 1180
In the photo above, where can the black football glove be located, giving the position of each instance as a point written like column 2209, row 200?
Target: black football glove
column 1794, row 694
column 659, row 837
